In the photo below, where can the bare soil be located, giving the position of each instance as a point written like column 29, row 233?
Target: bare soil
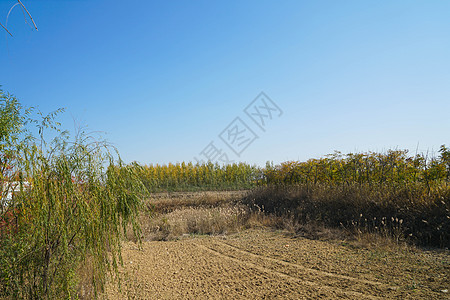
column 267, row 264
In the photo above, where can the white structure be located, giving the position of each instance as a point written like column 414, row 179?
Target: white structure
column 9, row 188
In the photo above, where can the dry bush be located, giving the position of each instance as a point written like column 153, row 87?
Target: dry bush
column 318, row 212
column 412, row 212
column 173, row 215
column 200, row 220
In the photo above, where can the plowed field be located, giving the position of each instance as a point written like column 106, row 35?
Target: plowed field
column 266, row 264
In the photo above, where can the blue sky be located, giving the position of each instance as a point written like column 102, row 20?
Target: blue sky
column 163, row 79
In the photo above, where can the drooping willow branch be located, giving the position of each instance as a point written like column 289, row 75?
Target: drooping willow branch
column 6, row 29
column 29, row 15
column 25, row 10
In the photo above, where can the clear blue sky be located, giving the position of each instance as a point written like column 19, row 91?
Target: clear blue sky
column 164, row 78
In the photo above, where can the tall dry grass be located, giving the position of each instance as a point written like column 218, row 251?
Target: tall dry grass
column 412, row 212
column 171, row 216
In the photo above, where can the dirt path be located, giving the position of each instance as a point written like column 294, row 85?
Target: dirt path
column 262, row 264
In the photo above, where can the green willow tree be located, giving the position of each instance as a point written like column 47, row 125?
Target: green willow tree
column 76, row 207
